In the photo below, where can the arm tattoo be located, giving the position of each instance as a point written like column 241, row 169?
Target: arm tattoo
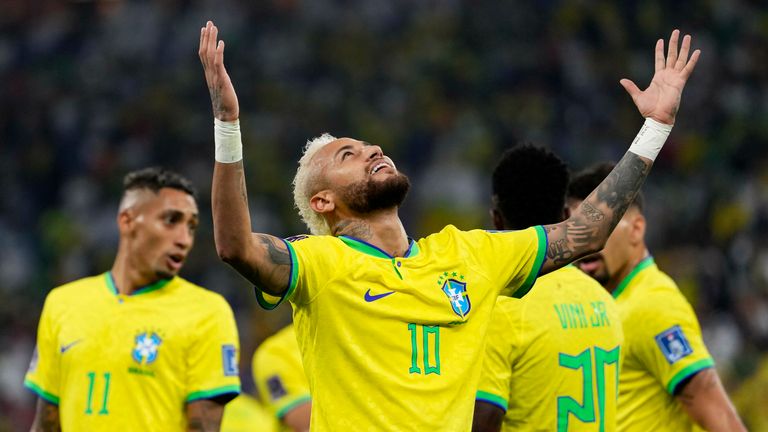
column 353, row 228
column 273, row 277
column 216, row 101
column 591, row 224
column 204, row 416
column 46, row 417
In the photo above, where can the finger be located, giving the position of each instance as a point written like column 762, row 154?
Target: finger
column 688, row 69
column 213, row 34
column 200, row 49
column 659, row 55
column 672, row 50
column 682, row 58
column 630, row 87
column 219, row 60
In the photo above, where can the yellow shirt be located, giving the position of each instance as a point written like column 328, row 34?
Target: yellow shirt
column 751, row 399
column 396, row 343
column 279, row 374
column 130, row 363
column 246, row 414
column 552, row 359
column 663, row 347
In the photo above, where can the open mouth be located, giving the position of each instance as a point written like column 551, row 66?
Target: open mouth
column 175, row 261
column 590, row 263
column 378, row 167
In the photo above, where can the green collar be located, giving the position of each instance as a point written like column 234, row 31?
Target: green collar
column 642, row 265
column 143, row 290
column 369, row 249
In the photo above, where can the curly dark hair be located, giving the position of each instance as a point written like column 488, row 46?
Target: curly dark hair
column 529, row 185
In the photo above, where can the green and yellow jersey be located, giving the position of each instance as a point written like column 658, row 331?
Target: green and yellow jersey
column 663, row 347
column 246, row 414
column 115, row 362
column 552, row 359
column 395, row 343
column 279, row 374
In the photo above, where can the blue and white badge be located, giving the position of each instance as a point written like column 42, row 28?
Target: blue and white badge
column 673, row 344
column 229, row 360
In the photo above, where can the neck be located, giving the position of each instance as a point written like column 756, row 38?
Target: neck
column 383, row 230
column 637, row 255
column 126, row 276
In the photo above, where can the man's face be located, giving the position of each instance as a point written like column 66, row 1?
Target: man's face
column 607, row 264
column 361, row 177
column 160, row 229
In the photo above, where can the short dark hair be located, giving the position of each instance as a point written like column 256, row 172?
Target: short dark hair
column 588, row 179
column 529, row 185
column 156, row 178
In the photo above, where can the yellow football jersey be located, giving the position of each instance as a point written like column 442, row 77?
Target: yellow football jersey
column 395, row 343
column 552, row 358
column 115, row 362
column 246, row 414
column 279, row 374
column 663, row 347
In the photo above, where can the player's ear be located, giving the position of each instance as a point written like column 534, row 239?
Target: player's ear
column 125, row 221
column 637, row 233
column 322, row 202
column 497, row 219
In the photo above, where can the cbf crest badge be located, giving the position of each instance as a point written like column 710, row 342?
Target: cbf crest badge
column 146, row 349
column 455, row 288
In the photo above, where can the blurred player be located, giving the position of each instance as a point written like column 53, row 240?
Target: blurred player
column 551, row 358
column 391, row 330
column 280, row 379
column 667, row 370
column 246, row 414
column 138, row 348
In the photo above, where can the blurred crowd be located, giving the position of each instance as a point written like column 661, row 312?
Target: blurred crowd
column 90, row 90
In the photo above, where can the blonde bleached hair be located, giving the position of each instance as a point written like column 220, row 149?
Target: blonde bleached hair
column 306, row 180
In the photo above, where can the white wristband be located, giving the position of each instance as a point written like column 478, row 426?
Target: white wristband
column 229, row 145
column 650, row 139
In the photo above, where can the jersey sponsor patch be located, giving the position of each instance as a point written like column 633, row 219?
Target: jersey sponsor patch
column 33, row 362
column 275, row 387
column 673, row 344
column 229, row 360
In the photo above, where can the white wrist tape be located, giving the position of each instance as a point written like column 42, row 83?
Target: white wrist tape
column 650, row 139
column 229, row 145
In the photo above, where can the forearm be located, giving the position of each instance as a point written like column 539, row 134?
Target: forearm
column 46, row 418
column 204, row 416
column 231, row 219
column 589, row 227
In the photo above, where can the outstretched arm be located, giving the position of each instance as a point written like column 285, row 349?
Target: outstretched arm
column 589, row 227
column 263, row 259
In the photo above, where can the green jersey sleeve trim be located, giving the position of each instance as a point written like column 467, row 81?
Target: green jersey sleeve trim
column 642, row 265
column 293, row 280
column 46, row 396
column 300, row 400
column 687, row 372
column 492, row 399
column 212, row 393
column 536, row 269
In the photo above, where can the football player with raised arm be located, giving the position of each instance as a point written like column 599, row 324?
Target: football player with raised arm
column 391, row 329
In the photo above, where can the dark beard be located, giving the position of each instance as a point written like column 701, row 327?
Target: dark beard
column 368, row 196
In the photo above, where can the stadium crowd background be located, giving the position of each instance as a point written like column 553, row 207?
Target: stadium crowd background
column 90, row 90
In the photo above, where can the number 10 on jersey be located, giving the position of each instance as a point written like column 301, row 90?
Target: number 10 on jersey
column 430, row 349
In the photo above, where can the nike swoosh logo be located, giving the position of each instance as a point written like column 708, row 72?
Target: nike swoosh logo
column 65, row 348
column 370, row 298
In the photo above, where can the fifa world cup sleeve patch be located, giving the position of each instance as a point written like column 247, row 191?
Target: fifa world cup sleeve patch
column 673, row 344
column 275, row 387
column 229, row 360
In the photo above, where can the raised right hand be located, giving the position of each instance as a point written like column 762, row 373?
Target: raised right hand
column 223, row 96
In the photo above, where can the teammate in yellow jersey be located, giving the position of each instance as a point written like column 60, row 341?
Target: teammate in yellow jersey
column 551, row 358
column 246, row 414
column 281, row 382
column 391, row 329
column 138, row 348
column 667, row 371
